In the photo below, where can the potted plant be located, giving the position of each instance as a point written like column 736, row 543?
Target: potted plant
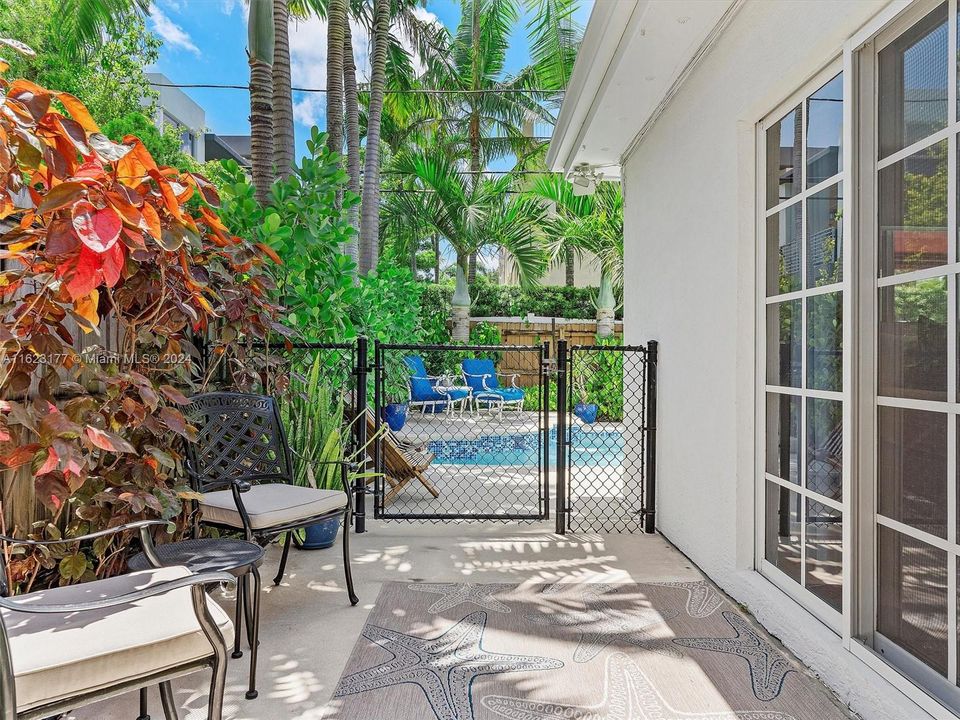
column 315, row 420
column 396, row 389
column 587, row 412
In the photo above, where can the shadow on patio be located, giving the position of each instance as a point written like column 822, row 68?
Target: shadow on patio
column 309, row 630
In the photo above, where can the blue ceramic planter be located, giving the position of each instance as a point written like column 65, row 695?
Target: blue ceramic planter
column 586, row 412
column 322, row 535
column 395, row 415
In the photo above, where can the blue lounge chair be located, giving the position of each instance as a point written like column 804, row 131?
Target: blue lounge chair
column 433, row 391
column 481, row 377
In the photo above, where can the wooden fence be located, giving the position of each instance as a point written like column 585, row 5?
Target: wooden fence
column 537, row 330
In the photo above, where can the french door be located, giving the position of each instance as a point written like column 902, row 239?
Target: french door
column 910, row 274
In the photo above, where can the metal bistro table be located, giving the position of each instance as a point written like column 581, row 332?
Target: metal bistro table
column 237, row 557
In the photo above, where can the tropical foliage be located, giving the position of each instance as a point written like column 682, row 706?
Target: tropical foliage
column 95, row 230
column 106, row 74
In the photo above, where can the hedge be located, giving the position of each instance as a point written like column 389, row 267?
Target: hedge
column 491, row 300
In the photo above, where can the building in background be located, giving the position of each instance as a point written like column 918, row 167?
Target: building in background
column 586, row 272
column 175, row 108
column 228, row 147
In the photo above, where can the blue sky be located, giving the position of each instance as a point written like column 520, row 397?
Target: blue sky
column 205, row 41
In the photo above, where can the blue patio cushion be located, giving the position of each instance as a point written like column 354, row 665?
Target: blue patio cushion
column 505, row 394
column 421, row 389
column 476, row 371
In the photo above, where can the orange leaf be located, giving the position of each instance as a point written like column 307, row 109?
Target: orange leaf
column 50, row 463
column 61, row 195
column 151, row 221
column 107, row 440
column 32, row 96
column 137, row 163
column 78, row 111
column 20, row 456
column 269, row 251
column 130, row 215
column 170, row 200
column 86, row 307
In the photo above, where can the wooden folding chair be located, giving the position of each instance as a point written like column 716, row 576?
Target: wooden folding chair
column 400, row 465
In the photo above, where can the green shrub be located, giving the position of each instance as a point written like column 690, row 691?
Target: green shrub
column 534, row 397
column 491, row 300
column 599, row 379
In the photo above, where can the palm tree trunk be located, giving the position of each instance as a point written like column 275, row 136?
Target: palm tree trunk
column 283, row 140
column 569, row 260
column 261, row 129
column 474, row 128
column 260, row 40
column 460, row 304
column 353, row 139
column 436, row 258
column 370, row 212
column 336, row 19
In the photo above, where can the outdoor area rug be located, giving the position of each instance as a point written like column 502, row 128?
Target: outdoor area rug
column 576, row 651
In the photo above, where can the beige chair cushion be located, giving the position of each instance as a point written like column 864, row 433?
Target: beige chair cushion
column 57, row 656
column 270, row 505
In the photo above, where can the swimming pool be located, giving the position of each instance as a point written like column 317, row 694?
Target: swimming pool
column 589, row 447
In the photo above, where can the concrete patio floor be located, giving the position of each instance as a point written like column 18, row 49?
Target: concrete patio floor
column 308, row 628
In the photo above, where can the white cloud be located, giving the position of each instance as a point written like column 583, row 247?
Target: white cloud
column 308, row 62
column 170, row 32
column 228, row 6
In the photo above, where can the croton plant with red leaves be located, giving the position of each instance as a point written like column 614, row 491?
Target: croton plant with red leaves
column 99, row 241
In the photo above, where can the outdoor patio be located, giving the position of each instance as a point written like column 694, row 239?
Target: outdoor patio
column 309, row 628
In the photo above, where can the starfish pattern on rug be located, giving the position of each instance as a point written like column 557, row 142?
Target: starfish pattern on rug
column 702, row 599
column 628, row 695
column 601, row 625
column 768, row 666
column 454, row 594
column 443, row 667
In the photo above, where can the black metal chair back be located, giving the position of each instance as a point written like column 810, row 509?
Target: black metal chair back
column 240, row 437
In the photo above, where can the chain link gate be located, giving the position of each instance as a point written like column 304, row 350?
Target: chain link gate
column 606, row 435
column 461, row 432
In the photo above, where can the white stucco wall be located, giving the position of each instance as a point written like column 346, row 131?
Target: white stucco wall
column 690, row 253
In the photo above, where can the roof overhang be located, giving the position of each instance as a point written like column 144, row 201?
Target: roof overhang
column 634, row 56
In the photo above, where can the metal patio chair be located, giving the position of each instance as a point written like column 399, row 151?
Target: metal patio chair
column 70, row 646
column 242, row 465
column 433, row 391
column 483, row 379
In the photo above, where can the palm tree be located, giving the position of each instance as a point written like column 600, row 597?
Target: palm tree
column 577, row 225
column 370, row 213
column 567, row 226
column 493, row 110
column 351, row 100
column 471, row 214
column 283, row 139
column 85, row 23
column 260, row 45
column 336, row 21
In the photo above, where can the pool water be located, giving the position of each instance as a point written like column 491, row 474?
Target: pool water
column 589, row 447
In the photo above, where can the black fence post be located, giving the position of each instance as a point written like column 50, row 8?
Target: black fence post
column 650, row 495
column 561, row 437
column 377, row 450
column 545, row 425
column 360, row 434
